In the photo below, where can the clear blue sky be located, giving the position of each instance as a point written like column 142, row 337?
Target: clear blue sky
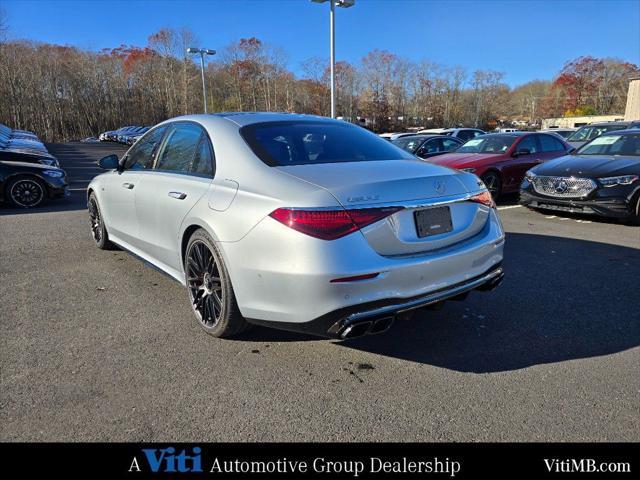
column 524, row 39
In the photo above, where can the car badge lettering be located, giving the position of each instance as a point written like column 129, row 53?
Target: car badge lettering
column 364, row 198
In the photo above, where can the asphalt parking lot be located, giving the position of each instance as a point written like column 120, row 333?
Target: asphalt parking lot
column 97, row 346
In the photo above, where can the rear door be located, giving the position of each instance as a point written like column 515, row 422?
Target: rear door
column 181, row 177
column 551, row 147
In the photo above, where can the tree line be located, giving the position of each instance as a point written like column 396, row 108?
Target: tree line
column 65, row 93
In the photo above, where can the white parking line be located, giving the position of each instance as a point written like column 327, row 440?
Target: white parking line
column 506, row 207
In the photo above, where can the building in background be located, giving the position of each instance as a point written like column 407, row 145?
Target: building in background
column 575, row 122
column 632, row 110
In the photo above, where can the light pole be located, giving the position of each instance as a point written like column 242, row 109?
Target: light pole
column 332, row 37
column 202, row 52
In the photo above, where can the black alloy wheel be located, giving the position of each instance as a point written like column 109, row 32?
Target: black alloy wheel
column 98, row 228
column 204, row 284
column 209, row 287
column 26, row 192
column 96, row 220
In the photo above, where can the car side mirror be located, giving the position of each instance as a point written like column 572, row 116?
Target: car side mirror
column 521, row 152
column 110, row 162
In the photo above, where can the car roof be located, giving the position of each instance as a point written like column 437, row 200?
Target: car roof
column 248, row 118
column 627, row 131
column 422, row 135
column 606, row 124
column 508, row 134
column 241, row 119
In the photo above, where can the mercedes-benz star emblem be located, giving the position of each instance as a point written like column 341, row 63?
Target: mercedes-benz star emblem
column 561, row 186
column 440, row 186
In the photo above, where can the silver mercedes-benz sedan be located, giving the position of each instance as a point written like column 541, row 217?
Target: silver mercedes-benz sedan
column 296, row 222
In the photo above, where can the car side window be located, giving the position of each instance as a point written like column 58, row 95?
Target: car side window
column 465, row 135
column 179, row 150
column 432, row 145
column 528, row 143
column 142, row 155
column 203, row 163
column 449, row 144
column 550, row 144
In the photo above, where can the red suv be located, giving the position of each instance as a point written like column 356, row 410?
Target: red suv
column 502, row 159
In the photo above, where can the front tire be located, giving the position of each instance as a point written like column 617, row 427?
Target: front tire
column 493, row 183
column 210, row 291
column 634, row 220
column 26, row 192
column 98, row 229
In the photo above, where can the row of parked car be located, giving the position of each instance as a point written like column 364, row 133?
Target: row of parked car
column 596, row 169
column 29, row 174
column 126, row 135
column 23, row 146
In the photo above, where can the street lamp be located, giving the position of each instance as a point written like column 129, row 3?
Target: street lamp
column 332, row 22
column 202, row 52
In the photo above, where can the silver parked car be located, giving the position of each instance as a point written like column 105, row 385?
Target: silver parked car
column 296, row 222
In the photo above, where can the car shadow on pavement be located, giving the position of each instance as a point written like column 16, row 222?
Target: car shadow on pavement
column 562, row 299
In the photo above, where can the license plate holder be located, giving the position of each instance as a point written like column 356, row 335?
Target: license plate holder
column 433, row 221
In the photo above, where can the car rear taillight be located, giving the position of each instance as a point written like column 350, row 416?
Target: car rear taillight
column 484, row 198
column 330, row 224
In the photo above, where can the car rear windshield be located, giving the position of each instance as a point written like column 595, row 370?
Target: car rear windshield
column 309, row 143
column 488, row 144
column 409, row 144
column 589, row 132
column 612, row 144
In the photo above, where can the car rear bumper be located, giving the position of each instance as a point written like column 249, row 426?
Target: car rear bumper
column 289, row 279
column 377, row 317
column 618, row 207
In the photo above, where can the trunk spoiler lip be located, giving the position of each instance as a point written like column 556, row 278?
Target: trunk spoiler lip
column 406, row 204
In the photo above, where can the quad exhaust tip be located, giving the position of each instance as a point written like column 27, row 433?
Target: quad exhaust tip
column 367, row 327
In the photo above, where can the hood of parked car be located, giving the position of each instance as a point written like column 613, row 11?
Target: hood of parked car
column 465, row 160
column 590, row 166
column 383, row 181
column 28, row 165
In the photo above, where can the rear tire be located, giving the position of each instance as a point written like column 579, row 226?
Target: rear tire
column 211, row 294
column 26, row 192
column 493, row 183
column 98, row 229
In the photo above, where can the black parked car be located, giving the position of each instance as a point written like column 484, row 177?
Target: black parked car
column 588, row 132
column 602, row 178
column 28, row 156
column 31, row 184
column 427, row 146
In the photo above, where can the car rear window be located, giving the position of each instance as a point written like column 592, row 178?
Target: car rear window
column 309, row 143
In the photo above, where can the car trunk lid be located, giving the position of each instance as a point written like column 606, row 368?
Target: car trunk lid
column 437, row 191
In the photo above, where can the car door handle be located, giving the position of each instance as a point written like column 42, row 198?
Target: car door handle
column 128, row 185
column 178, row 195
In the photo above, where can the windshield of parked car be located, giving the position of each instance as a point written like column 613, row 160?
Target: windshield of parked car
column 304, row 143
column 488, row 144
column 410, row 144
column 589, row 132
column 627, row 145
